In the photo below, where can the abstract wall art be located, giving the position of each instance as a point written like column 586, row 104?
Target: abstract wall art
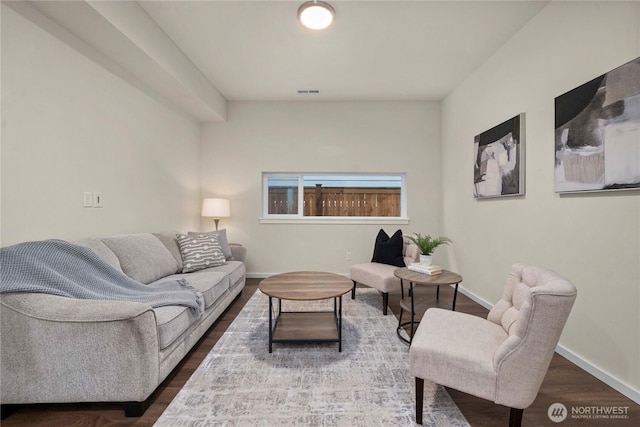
column 597, row 133
column 499, row 160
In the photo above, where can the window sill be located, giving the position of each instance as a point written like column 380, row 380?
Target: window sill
column 335, row 220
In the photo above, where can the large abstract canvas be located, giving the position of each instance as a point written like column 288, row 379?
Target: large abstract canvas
column 598, row 133
column 499, row 160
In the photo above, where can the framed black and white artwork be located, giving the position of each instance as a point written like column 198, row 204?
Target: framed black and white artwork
column 499, row 160
column 597, row 133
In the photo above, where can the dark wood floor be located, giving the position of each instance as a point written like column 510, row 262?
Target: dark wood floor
column 564, row 383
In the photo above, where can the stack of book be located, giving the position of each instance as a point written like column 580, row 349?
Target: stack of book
column 425, row 269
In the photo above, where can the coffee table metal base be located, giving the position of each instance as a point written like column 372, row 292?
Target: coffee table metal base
column 305, row 326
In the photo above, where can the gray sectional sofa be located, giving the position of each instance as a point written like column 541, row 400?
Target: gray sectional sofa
column 58, row 349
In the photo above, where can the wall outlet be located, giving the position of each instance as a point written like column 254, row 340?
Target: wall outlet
column 97, row 199
column 348, row 256
column 88, row 199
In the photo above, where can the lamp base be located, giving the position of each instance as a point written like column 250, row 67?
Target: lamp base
column 216, row 220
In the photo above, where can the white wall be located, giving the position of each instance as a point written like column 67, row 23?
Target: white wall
column 69, row 126
column 319, row 137
column 592, row 239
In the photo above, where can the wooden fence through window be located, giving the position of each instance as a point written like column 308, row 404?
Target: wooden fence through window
column 338, row 201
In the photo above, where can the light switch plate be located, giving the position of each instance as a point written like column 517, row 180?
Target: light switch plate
column 88, row 199
column 97, row 199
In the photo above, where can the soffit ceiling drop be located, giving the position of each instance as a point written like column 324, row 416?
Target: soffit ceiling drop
column 199, row 54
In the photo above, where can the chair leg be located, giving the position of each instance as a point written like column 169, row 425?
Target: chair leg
column 515, row 417
column 419, row 399
column 385, row 302
column 353, row 290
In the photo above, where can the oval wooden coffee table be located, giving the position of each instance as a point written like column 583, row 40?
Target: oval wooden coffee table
column 411, row 304
column 305, row 326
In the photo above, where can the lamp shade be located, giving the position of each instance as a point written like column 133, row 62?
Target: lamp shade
column 216, row 208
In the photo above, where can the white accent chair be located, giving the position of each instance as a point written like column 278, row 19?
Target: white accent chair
column 503, row 358
column 380, row 276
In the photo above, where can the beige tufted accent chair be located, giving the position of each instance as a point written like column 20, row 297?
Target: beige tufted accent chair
column 503, row 358
column 380, row 276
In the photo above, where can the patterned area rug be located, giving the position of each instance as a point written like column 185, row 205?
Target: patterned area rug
column 240, row 384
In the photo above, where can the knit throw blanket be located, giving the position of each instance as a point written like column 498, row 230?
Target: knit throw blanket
column 60, row 268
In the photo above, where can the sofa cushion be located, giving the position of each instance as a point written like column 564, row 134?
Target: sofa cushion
column 200, row 251
column 222, row 238
column 102, row 250
column 170, row 242
column 234, row 269
column 172, row 321
column 210, row 283
column 142, row 256
column 388, row 250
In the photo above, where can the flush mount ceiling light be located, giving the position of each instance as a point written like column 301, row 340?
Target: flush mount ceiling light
column 316, row 15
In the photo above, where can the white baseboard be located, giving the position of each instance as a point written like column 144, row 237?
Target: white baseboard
column 486, row 304
column 603, row 376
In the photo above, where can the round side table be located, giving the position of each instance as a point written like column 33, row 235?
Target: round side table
column 416, row 278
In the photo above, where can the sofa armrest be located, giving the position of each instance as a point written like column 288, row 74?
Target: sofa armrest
column 57, row 349
column 238, row 251
column 61, row 309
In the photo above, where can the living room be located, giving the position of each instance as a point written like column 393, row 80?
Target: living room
column 73, row 122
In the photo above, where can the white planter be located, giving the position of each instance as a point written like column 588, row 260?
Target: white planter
column 425, row 259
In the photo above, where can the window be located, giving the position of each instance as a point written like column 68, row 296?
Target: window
column 326, row 197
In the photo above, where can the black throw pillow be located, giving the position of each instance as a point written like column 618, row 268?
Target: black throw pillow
column 388, row 250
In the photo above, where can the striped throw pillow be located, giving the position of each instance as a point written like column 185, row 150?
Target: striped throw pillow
column 200, row 251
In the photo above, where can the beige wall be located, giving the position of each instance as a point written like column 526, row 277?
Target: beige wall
column 319, row 137
column 593, row 239
column 69, row 126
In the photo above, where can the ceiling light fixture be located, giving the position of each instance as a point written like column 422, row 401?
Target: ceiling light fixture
column 316, row 15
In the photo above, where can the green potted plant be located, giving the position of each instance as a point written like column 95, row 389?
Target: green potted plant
column 427, row 245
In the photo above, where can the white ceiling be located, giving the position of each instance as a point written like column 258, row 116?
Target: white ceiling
column 199, row 54
column 376, row 50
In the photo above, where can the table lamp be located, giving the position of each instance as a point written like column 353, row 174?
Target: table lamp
column 216, row 208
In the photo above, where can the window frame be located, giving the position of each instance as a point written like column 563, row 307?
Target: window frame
column 298, row 218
